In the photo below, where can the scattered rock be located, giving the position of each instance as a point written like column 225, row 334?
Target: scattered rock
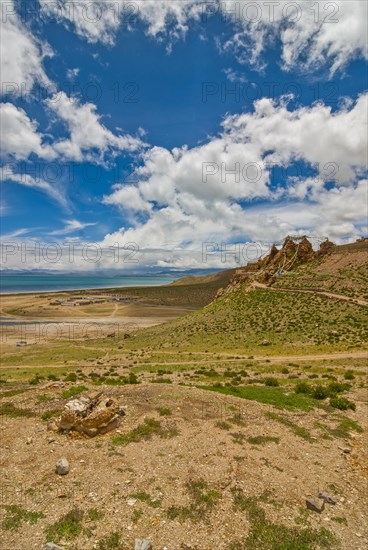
column 52, row 426
column 142, row 544
column 266, row 343
column 131, row 501
column 94, row 415
column 29, row 440
column 327, row 498
column 311, row 505
column 62, row 467
column 346, row 450
column 52, row 546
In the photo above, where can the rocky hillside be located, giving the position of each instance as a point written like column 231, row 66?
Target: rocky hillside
column 290, row 256
column 296, row 265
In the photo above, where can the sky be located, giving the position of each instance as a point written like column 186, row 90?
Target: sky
column 179, row 134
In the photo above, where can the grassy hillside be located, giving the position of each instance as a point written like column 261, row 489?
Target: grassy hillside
column 219, row 279
column 244, row 319
column 193, row 292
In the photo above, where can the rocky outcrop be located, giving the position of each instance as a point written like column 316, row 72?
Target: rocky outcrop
column 293, row 253
column 91, row 416
column 326, row 247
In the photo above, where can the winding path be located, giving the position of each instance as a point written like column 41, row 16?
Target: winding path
column 341, row 297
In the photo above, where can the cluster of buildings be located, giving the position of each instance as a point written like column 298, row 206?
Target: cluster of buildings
column 74, row 301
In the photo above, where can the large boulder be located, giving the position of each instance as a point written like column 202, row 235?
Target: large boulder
column 91, row 416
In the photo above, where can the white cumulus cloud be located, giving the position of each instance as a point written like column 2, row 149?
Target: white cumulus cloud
column 202, row 194
column 19, row 135
column 88, row 138
column 310, row 34
column 21, row 54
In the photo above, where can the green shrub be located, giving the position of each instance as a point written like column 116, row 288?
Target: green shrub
column 342, row 403
column 71, row 377
column 320, row 392
column 73, row 391
column 336, row 387
column 8, row 409
column 164, row 411
column 67, row 527
column 162, row 381
column 17, row 515
column 110, row 541
column 273, row 382
column 302, row 387
column 145, row 431
column 132, row 378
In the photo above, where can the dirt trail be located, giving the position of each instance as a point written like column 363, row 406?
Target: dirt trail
column 270, row 358
column 356, row 301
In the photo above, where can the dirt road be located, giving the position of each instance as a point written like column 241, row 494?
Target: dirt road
column 357, row 301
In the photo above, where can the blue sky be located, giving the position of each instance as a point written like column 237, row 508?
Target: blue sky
column 175, row 128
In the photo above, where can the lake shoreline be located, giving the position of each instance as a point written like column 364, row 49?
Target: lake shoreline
column 136, row 282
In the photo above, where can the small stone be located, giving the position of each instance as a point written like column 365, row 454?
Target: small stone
column 52, row 426
column 346, row 450
column 327, row 498
column 131, row 501
column 62, row 467
column 311, row 505
column 29, row 440
column 52, row 546
column 142, row 544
